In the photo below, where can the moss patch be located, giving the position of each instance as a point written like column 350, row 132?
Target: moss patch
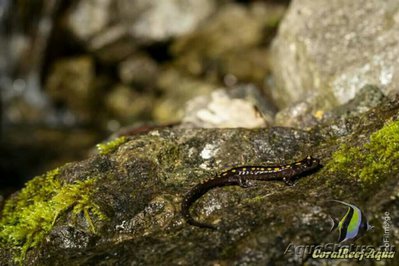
column 105, row 148
column 30, row 215
column 372, row 162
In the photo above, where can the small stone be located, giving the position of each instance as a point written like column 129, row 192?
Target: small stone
column 177, row 89
column 70, row 82
column 88, row 17
column 128, row 105
column 139, row 70
column 155, row 21
column 233, row 28
column 220, row 110
column 112, row 44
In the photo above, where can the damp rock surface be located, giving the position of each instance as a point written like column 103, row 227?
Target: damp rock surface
column 242, row 106
column 71, row 83
column 139, row 59
column 334, row 48
column 122, row 206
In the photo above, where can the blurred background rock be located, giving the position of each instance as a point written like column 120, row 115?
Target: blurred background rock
column 72, row 72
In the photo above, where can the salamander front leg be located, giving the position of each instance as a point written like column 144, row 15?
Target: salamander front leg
column 244, row 183
column 288, row 181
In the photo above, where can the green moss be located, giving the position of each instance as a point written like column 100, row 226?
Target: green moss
column 255, row 199
column 30, row 215
column 105, row 148
column 373, row 161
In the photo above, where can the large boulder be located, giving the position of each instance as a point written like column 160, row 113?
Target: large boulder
column 329, row 49
column 122, row 206
column 113, row 30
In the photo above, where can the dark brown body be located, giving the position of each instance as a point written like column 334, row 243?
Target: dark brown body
column 239, row 176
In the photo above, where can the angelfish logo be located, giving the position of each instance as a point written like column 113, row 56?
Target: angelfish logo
column 353, row 225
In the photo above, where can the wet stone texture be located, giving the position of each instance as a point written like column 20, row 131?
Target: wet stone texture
column 230, row 42
column 133, row 211
column 71, row 83
column 242, row 106
column 333, row 48
column 305, row 114
column 121, row 206
column 113, row 30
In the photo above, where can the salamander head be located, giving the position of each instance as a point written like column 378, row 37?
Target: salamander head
column 307, row 164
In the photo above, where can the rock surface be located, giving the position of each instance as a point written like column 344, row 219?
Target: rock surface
column 233, row 29
column 309, row 113
column 143, row 20
column 333, row 48
column 139, row 70
column 242, row 106
column 94, row 15
column 121, row 205
column 177, row 88
column 150, row 20
column 126, row 104
column 71, row 83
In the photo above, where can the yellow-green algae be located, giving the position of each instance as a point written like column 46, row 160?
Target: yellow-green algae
column 30, row 215
column 373, row 161
column 110, row 146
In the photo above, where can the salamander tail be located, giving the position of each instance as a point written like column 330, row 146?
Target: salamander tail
column 185, row 211
column 190, row 220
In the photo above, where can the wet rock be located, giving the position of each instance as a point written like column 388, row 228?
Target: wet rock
column 154, row 21
column 246, row 66
column 139, row 70
column 177, row 88
column 122, row 205
column 137, row 189
column 300, row 115
column 103, row 34
column 334, row 48
column 112, row 45
column 309, row 113
column 366, row 98
column 70, row 83
column 232, row 29
column 96, row 24
column 239, row 107
column 113, row 30
column 87, row 18
column 128, row 105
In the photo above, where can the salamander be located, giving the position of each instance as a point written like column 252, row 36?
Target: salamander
column 240, row 176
